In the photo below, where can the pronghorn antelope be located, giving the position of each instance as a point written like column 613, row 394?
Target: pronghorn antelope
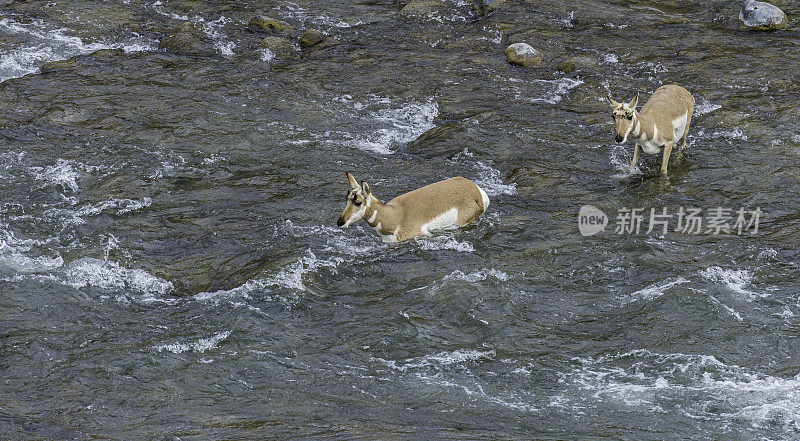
column 663, row 121
column 452, row 202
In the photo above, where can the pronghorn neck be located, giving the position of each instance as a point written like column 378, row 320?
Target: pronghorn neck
column 643, row 127
column 381, row 216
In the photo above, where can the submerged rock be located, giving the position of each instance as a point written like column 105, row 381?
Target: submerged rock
column 262, row 23
column 279, row 46
column 483, row 7
column 522, row 54
column 311, row 37
column 420, row 9
column 761, row 16
column 578, row 62
column 188, row 38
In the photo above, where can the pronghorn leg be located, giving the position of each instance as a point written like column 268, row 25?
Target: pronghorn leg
column 686, row 131
column 635, row 156
column 685, row 135
column 665, row 159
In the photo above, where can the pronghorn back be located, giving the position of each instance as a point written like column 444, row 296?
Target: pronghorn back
column 433, row 200
column 668, row 103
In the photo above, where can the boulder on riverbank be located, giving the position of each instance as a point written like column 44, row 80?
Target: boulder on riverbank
column 523, row 54
column 758, row 15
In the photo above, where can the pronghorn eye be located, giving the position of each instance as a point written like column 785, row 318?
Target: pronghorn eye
column 630, row 116
column 357, row 203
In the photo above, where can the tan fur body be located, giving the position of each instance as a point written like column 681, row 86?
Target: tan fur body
column 453, row 202
column 663, row 121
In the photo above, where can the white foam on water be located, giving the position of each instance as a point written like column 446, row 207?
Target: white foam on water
column 107, row 274
column 121, row 205
column 438, row 370
column 476, row 276
column 221, row 42
column 212, row 28
column 620, row 159
column 51, row 45
column 436, row 243
column 14, row 254
column 437, row 361
column 289, row 277
column 727, row 308
column 610, row 58
column 265, row 54
column 733, row 134
column 63, row 174
column 705, row 107
column 472, row 278
column 555, row 90
column 735, row 280
column 488, row 178
column 400, row 126
column 296, row 12
column 653, row 291
column 706, row 388
column 201, row 345
column 475, row 391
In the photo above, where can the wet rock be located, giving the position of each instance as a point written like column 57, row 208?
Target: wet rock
column 279, row 46
column 483, row 7
column 761, row 16
column 421, row 9
column 261, row 23
column 55, row 66
column 579, row 62
column 188, row 38
column 522, row 54
column 311, row 37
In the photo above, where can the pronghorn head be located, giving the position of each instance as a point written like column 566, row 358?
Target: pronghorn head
column 624, row 117
column 357, row 202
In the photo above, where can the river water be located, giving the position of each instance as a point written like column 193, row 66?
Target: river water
column 170, row 266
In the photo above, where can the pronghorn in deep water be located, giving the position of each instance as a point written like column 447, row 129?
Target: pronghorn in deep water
column 663, row 121
column 454, row 202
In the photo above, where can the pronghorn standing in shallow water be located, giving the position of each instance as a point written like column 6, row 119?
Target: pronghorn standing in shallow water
column 452, row 202
column 663, row 121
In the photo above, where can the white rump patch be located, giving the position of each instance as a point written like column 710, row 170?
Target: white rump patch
column 485, row 198
column 679, row 126
column 444, row 220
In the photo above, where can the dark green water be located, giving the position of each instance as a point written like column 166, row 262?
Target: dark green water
column 170, row 266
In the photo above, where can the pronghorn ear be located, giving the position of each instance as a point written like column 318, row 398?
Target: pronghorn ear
column 353, row 182
column 365, row 188
column 634, row 102
column 614, row 104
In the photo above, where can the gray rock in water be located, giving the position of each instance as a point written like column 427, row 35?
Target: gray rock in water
column 522, row 54
column 265, row 24
column 279, row 46
column 483, row 7
column 579, row 62
column 421, row 9
column 188, row 38
column 761, row 16
column 311, row 37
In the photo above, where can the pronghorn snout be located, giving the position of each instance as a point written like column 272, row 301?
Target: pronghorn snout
column 341, row 221
column 618, row 138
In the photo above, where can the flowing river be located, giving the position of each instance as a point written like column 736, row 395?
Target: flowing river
column 170, row 265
